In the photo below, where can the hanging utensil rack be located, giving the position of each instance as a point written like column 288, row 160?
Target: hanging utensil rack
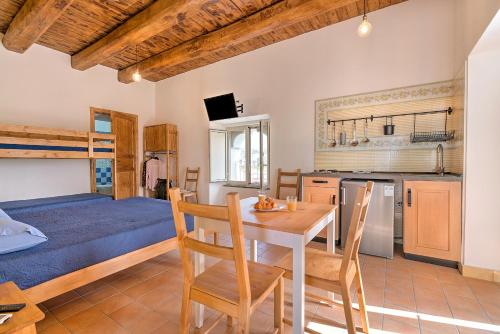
column 415, row 137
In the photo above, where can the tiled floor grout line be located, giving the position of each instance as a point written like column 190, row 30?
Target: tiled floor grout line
column 415, row 298
column 480, row 304
column 447, row 302
column 383, row 299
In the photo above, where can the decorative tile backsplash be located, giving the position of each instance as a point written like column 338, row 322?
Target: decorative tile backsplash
column 391, row 153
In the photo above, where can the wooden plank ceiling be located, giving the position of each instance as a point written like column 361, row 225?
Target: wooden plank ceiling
column 164, row 38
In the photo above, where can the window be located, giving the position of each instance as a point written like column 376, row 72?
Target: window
column 245, row 155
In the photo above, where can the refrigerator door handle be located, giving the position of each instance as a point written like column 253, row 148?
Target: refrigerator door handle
column 343, row 199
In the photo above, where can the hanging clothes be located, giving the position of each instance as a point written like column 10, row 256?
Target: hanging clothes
column 154, row 169
column 152, row 173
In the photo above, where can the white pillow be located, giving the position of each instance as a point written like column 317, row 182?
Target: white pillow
column 16, row 236
column 3, row 214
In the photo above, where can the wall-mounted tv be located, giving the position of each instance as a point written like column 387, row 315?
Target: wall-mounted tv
column 221, row 107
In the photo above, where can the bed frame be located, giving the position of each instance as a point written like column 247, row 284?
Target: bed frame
column 79, row 278
column 28, row 142
column 46, row 143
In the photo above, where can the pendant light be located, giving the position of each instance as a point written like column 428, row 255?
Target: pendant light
column 365, row 28
column 137, row 75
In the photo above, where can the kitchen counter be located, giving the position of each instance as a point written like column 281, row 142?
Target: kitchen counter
column 388, row 176
column 398, row 179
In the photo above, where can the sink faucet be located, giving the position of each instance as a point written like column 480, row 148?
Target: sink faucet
column 440, row 157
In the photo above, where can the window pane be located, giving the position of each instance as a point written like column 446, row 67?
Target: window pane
column 237, row 161
column 217, row 155
column 255, row 155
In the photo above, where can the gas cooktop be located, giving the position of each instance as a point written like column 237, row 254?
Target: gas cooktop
column 332, row 171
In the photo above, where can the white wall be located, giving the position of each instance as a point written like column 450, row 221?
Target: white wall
column 39, row 88
column 482, row 219
column 285, row 79
column 472, row 18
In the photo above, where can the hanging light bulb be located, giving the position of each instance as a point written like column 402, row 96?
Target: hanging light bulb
column 136, row 76
column 365, row 28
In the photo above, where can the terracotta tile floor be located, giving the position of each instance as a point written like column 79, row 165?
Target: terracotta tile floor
column 403, row 297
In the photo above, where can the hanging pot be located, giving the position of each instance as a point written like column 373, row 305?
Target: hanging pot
column 388, row 128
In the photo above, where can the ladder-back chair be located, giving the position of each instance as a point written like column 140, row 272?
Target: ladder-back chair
column 232, row 286
column 336, row 273
column 281, row 184
column 191, row 184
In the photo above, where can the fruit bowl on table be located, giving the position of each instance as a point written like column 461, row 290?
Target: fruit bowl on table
column 267, row 204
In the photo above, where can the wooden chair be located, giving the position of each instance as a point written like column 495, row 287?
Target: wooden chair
column 280, row 184
column 191, row 184
column 233, row 286
column 336, row 273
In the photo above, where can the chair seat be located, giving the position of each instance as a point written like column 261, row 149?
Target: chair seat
column 319, row 265
column 221, row 281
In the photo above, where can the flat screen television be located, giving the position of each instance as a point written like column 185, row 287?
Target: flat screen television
column 221, row 107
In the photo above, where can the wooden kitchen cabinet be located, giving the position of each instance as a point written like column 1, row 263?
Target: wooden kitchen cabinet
column 432, row 224
column 322, row 190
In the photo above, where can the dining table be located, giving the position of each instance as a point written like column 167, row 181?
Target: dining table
column 291, row 229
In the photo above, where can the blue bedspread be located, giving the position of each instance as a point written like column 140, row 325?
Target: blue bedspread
column 82, row 233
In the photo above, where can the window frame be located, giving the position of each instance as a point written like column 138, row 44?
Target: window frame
column 226, row 167
column 264, row 165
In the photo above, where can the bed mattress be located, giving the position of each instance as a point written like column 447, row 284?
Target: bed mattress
column 83, row 230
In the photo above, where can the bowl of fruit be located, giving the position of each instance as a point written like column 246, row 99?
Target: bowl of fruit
column 266, row 204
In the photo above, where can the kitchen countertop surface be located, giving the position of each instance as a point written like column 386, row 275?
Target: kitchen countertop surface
column 388, row 175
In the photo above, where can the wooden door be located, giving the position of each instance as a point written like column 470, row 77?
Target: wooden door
column 323, row 190
column 432, row 219
column 124, row 126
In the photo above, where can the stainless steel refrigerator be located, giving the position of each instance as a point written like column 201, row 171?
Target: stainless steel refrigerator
column 378, row 234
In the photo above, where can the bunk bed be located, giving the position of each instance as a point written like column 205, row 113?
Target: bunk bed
column 90, row 236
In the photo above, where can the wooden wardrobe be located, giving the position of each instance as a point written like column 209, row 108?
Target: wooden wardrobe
column 163, row 139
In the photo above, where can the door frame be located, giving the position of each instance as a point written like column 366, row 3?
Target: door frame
column 112, row 114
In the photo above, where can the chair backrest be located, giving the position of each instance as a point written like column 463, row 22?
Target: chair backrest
column 230, row 213
column 191, row 178
column 358, row 220
column 280, row 184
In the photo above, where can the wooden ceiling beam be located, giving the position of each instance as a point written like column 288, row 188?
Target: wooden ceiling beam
column 32, row 20
column 160, row 16
column 279, row 15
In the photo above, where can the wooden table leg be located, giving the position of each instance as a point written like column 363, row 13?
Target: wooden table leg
column 199, row 267
column 330, row 245
column 253, row 250
column 298, row 286
column 330, row 235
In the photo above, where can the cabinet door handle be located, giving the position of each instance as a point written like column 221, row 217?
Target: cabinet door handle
column 409, row 197
column 334, row 197
column 319, row 181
